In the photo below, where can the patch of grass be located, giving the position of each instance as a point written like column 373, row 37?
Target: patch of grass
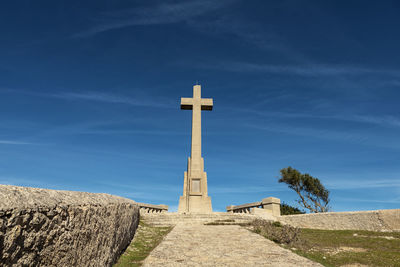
column 146, row 239
column 336, row 247
column 340, row 247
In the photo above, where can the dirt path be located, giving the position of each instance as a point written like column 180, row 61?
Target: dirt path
column 220, row 245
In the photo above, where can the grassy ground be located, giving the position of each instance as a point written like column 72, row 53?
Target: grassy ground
column 336, row 247
column 341, row 247
column 146, row 239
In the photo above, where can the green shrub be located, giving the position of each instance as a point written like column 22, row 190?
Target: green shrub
column 289, row 210
column 275, row 231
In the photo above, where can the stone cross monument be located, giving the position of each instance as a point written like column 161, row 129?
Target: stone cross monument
column 195, row 198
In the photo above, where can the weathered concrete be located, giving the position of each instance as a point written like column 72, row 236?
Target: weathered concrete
column 40, row 227
column 263, row 213
column 376, row 220
column 195, row 197
column 272, row 205
column 269, row 205
column 151, row 208
column 221, row 245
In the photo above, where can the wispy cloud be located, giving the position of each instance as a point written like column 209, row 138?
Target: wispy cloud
column 245, row 189
column 311, row 70
column 380, row 120
column 346, row 135
column 244, row 31
column 394, row 83
column 367, row 200
column 148, row 197
column 351, row 184
column 92, row 127
column 145, row 132
column 383, row 120
column 7, row 90
column 111, row 98
column 143, row 192
column 95, row 96
column 143, row 187
column 316, row 110
column 18, row 181
column 165, row 13
column 10, row 142
column 313, row 132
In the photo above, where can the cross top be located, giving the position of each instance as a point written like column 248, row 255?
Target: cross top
column 188, row 103
column 197, row 104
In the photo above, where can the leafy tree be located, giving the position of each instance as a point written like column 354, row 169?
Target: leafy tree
column 286, row 209
column 313, row 195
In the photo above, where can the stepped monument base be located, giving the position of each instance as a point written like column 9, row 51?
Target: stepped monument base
column 197, row 204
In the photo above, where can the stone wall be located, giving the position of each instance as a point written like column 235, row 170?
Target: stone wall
column 40, row 227
column 377, row 220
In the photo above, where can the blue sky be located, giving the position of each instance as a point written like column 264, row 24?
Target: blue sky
column 90, row 91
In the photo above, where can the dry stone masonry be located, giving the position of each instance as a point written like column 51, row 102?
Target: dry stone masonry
column 376, row 220
column 40, row 227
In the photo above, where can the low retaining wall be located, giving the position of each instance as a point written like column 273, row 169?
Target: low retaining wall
column 271, row 205
column 41, row 227
column 377, row 220
column 150, row 208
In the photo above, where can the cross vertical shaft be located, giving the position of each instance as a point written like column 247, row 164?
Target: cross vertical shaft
column 196, row 129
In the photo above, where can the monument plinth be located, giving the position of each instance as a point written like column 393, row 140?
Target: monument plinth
column 195, row 198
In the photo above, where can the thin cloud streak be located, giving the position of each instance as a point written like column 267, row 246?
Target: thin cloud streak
column 142, row 187
column 318, row 133
column 151, row 198
column 18, row 181
column 383, row 120
column 148, row 132
column 245, row 190
column 99, row 97
column 10, row 142
column 245, row 31
column 165, row 13
column 345, row 199
column 310, row 70
column 357, row 184
column 355, row 137
column 110, row 98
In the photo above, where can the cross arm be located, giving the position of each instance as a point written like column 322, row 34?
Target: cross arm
column 186, row 103
column 206, row 104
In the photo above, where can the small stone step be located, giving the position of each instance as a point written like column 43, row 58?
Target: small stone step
column 173, row 218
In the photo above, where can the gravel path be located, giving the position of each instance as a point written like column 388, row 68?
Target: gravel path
column 220, row 245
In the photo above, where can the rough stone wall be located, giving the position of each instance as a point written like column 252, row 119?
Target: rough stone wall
column 377, row 220
column 40, row 227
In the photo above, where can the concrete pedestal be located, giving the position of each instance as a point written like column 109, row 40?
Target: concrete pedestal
column 197, row 204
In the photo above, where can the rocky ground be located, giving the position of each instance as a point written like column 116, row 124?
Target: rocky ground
column 43, row 227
